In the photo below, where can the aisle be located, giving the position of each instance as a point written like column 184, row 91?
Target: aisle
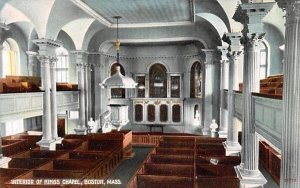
column 128, row 167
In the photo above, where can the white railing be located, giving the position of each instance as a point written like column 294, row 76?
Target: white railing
column 67, row 100
column 20, row 105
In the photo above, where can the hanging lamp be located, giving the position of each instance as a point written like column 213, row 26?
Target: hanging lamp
column 118, row 80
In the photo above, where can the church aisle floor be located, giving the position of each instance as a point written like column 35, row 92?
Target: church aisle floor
column 271, row 183
column 128, row 167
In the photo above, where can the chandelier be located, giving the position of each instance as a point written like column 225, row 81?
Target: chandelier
column 118, row 80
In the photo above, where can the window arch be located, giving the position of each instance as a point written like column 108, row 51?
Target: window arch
column 263, row 66
column 196, row 80
column 158, row 81
column 10, row 58
column 62, row 65
column 117, row 92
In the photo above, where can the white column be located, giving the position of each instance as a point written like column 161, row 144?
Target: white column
column 53, row 61
column 251, row 15
column 46, row 52
column 290, row 158
column 208, row 90
column 45, row 66
column 232, row 145
column 223, row 126
column 80, row 63
column 86, row 92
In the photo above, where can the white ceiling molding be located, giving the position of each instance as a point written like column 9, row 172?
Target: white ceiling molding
column 158, row 24
column 104, row 48
column 215, row 21
column 91, row 12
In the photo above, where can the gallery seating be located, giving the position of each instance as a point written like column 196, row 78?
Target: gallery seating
column 272, row 85
column 19, row 84
column 64, row 86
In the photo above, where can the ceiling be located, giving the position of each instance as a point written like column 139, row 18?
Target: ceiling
column 143, row 11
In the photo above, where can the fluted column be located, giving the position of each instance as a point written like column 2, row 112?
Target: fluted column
column 251, row 15
column 80, row 57
column 290, row 158
column 53, row 61
column 45, row 66
column 46, row 54
column 208, row 90
column 232, row 145
column 223, row 118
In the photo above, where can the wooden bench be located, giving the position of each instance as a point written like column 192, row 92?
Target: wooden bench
column 26, row 163
column 45, row 154
column 174, row 151
column 12, row 147
column 155, row 181
column 172, row 159
column 220, row 160
column 219, row 182
column 169, row 170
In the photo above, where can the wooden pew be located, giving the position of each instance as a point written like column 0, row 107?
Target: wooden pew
column 169, row 170
column 220, row 160
column 7, row 174
column 69, row 144
column 155, row 181
column 12, row 147
column 222, row 176
column 26, row 163
column 174, row 151
column 172, row 159
column 45, row 154
column 87, row 155
column 73, row 164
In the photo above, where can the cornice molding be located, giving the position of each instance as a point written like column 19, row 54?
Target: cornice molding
column 47, row 42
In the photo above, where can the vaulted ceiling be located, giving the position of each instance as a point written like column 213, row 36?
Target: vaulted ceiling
column 83, row 19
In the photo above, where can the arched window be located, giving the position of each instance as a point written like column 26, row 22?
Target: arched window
column 158, row 81
column 117, row 92
column 62, row 65
column 10, row 61
column 196, row 80
column 263, row 69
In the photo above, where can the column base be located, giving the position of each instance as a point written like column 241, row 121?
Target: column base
column 46, row 144
column 232, row 148
column 223, row 133
column 4, row 161
column 80, row 130
column 249, row 178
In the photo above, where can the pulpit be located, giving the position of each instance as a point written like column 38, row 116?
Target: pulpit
column 119, row 115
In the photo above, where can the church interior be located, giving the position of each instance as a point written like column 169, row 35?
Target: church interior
column 144, row 94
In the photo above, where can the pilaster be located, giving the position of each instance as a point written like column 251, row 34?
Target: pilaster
column 290, row 158
column 232, row 145
column 223, row 79
column 251, row 15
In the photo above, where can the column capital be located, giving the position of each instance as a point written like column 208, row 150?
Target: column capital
column 251, row 15
column 211, row 56
column 44, row 60
column 252, row 40
column 47, row 46
column 224, row 52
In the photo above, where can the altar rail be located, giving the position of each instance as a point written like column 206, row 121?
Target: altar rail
column 268, row 115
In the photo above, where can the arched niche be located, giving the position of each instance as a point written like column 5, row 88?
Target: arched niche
column 158, row 81
column 196, row 80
